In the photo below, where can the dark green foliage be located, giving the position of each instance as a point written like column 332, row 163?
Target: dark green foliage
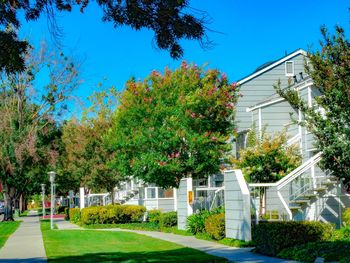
column 346, row 217
column 66, row 212
column 215, row 226
column 112, row 214
column 74, row 215
column 62, row 209
column 169, row 20
column 154, row 215
column 271, row 238
column 168, row 219
column 196, row 222
column 328, row 119
column 331, row 251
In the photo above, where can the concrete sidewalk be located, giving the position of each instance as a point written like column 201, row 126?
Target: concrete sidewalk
column 26, row 244
column 212, row 248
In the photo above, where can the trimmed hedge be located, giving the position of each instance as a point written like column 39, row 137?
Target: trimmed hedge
column 215, row 226
column 272, row 237
column 337, row 251
column 74, row 215
column 346, row 217
column 168, row 219
column 112, row 214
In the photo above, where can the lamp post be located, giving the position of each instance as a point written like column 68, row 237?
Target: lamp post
column 43, row 198
column 52, row 180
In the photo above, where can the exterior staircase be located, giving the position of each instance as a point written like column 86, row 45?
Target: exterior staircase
column 297, row 191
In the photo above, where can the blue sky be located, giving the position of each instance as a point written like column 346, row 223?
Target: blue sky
column 251, row 33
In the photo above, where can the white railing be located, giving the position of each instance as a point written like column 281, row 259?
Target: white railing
column 290, row 178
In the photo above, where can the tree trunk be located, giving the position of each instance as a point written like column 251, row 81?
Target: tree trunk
column 9, row 202
column 112, row 195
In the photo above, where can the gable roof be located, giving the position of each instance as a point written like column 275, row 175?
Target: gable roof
column 269, row 65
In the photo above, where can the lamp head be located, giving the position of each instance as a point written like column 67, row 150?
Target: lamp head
column 52, row 176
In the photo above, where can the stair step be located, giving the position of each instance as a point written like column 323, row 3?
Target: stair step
column 294, row 207
column 329, row 182
column 300, row 201
column 309, row 195
column 319, row 189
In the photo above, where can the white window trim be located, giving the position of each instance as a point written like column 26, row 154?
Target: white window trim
column 285, row 68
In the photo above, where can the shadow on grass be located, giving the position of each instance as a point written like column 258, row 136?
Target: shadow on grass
column 177, row 255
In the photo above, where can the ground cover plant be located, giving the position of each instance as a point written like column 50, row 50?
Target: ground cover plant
column 107, row 246
column 6, row 229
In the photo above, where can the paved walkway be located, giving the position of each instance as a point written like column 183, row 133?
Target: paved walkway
column 212, row 248
column 26, row 244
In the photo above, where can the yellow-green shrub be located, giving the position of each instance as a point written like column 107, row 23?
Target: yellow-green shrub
column 346, row 217
column 154, row 215
column 215, row 226
column 74, row 215
column 112, row 214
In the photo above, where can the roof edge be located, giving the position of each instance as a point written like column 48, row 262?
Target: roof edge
column 251, row 76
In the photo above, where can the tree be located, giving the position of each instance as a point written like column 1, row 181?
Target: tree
column 267, row 159
column 87, row 157
column 329, row 117
column 28, row 130
column 170, row 20
column 173, row 125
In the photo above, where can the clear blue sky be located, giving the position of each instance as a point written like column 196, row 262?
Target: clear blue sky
column 252, row 33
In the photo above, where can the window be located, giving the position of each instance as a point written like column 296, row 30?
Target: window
column 165, row 193
column 151, row 193
column 241, row 141
column 289, row 68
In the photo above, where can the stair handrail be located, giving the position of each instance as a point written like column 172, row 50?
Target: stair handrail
column 299, row 170
column 292, row 175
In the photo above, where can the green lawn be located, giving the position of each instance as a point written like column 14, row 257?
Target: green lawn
column 103, row 246
column 6, row 229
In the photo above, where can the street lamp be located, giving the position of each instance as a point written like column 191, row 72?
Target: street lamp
column 52, row 180
column 43, row 198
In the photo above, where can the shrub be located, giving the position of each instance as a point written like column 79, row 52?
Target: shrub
column 74, row 215
column 90, row 215
column 196, row 222
column 331, row 251
column 153, row 216
column 271, row 238
column 346, row 217
column 215, row 226
column 341, row 234
column 112, row 214
column 168, row 219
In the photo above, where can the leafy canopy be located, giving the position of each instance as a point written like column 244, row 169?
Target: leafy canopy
column 328, row 118
column 173, row 125
column 267, row 159
column 170, row 20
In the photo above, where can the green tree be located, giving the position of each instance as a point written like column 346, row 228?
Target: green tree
column 86, row 156
column 267, row 160
column 170, row 21
column 28, row 128
column 173, row 125
column 329, row 117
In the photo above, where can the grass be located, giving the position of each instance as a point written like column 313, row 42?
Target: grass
column 107, row 246
column 6, row 229
column 149, row 226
